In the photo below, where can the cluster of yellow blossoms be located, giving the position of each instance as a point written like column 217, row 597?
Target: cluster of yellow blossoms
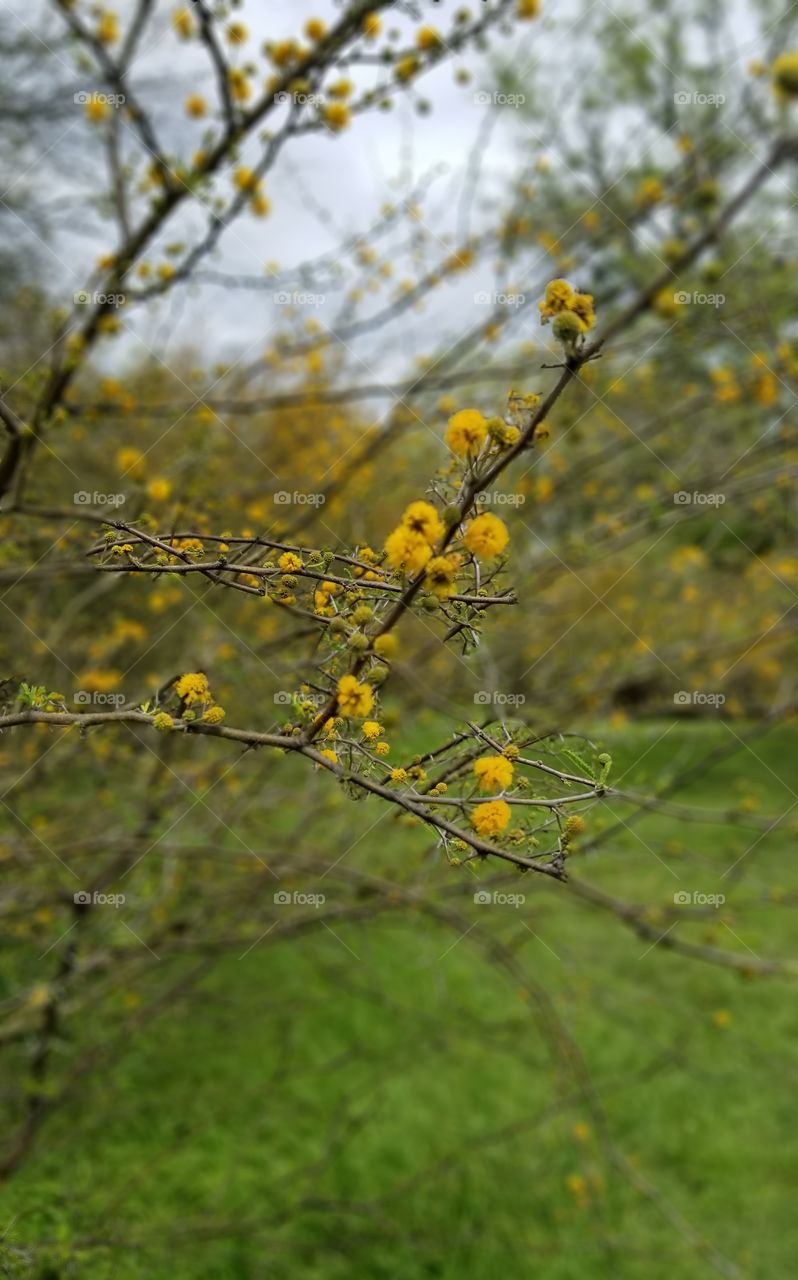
column 196, row 698
column 571, row 310
column 410, row 547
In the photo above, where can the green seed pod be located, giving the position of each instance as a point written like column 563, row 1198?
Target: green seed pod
column 567, row 328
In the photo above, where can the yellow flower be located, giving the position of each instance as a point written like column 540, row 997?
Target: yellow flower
column 214, row 715
column 527, row 9
column 237, row 33
column 466, row 432
column 329, row 754
column 785, row 74
column 371, row 729
column 341, row 89
column 260, row 205
column 406, row 68
column 650, row 191
column 428, row 38
column 193, row 687
column 491, row 818
column 582, row 306
column 108, row 28
column 422, row 518
column 159, row 490
column 315, row 29
column 96, row 110
column 486, row 536
column 354, row 699
column 398, row 775
column 574, row 826
column 441, row 574
column 559, row 296
column 246, row 179
column 240, row 87
column 130, row 460
column 163, row 722
column 385, row 646
column 183, row 23
column 289, row 562
column 382, row 748
column 407, row 550
column 337, row 115
column 494, row 773
column 372, row 26
column 196, row 107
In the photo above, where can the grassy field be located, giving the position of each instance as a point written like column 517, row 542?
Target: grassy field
column 381, row 1101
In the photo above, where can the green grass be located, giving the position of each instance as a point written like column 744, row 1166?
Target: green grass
column 383, row 1103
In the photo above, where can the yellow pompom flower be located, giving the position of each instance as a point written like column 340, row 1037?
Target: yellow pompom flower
column 159, row 490
column 315, row 29
column 398, row 775
column 196, row 106
column 422, row 518
column 382, row 748
column 337, row 115
column 108, row 28
column 214, row 715
column 289, row 562
column 574, row 826
column 466, row 432
column 386, row 646
column 163, row 722
column 494, row 773
column 486, row 536
column 372, row 26
column 371, row 729
column 491, row 818
column 527, row 9
column 785, row 74
column 237, row 33
column 354, row 699
column 183, row 23
column 406, row 68
column 406, row 550
column 329, row 754
column 428, row 38
column 441, row 574
column 193, row 687
column 559, row 296
column 97, row 110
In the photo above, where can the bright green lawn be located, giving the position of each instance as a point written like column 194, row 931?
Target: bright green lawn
column 382, row 1103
